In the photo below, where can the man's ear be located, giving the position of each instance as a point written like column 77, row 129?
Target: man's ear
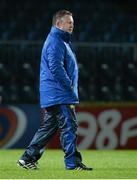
column 58, row 24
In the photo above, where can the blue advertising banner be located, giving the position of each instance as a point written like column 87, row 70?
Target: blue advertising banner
column 18, row 124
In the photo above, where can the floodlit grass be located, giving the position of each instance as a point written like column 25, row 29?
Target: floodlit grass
column 107, row 165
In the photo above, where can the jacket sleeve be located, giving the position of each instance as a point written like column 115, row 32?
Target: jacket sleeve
column 55, row 56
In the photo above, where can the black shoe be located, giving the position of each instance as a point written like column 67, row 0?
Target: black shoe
column 81, row 167
column 27, row 165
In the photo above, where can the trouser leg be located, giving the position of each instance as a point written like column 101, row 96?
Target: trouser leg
column 47, row 129
column 68, row 124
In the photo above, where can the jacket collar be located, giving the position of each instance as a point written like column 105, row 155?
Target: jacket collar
column 65, row 36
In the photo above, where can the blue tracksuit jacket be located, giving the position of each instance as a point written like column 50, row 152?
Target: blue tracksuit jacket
column 58, row 70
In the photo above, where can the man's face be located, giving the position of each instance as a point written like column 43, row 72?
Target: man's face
column 66, row 23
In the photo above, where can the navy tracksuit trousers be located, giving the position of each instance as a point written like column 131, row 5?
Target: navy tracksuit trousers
column 64, row 118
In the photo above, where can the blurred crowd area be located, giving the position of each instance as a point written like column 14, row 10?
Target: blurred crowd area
column 104, row 37
column 95, row 21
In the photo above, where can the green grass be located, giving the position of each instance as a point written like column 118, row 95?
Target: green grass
column 107, row 165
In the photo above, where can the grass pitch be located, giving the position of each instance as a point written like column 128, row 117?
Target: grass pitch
column 107, row 165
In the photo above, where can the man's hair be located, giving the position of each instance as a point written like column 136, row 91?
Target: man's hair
column 59, row 14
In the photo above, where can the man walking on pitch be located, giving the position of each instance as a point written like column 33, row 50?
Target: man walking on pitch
column 58, row 96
